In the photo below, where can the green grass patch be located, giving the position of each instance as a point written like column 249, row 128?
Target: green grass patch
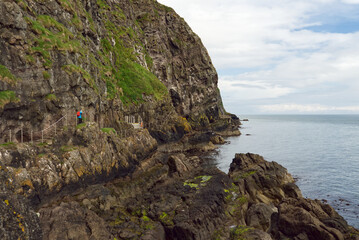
column 197, row 182
column 166, row 219
column 66, row 148
column 67, row 6
column 71, row 68
column 7, row 97
column 149, row 61
column 135, row 81
column 81, row 125
column 108, row 130
column 77, row 22
column 51, row 35
column 8, row 144
column 239, row 232
column 125, row 78
column 103, row 4
column 204, row 178
column 51, row 97
column 244, row 175
column 46, row 75
column 192, row 185
column 6, row 75
column 145, row 218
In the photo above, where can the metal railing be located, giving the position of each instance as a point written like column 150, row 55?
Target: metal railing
column 22, row 135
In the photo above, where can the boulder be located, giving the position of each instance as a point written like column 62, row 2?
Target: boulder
column 256, row 234
column 259, row 216
column 264, row 182
column 301, row 218
column 176, row 165
column 71, row 221
column 217, row 140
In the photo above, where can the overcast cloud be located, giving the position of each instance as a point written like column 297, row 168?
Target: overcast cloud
column 283, row 56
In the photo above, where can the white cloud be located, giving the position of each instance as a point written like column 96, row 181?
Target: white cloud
column 351, row 1
column 249, row 90
column 312, row 108
column 270, row 38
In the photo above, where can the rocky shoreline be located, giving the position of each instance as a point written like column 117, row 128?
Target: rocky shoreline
column 169, row 194
column 104, row 179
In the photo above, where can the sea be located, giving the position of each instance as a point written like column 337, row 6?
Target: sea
column 320, row 151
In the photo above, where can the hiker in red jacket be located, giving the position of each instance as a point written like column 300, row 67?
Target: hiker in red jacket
column 79, row 116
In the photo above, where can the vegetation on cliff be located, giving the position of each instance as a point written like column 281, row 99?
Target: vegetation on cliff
column 115, row 60
column 7, row 97
column 6, row 75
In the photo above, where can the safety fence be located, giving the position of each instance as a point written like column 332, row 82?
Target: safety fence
column 22, row 134
column 64, row 123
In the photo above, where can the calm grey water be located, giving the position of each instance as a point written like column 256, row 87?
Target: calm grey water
column 322, row 151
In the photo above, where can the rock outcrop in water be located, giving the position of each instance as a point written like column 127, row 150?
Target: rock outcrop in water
column 174, row 197
column 275, row 204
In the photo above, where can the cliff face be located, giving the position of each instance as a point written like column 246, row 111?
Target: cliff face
column 112, row 59
column 109, row 58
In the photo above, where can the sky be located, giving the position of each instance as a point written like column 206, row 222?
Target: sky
column 283, row 56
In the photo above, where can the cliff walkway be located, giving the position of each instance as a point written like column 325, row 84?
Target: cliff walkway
column 64, row 123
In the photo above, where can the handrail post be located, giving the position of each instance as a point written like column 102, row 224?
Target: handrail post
column 22, row 136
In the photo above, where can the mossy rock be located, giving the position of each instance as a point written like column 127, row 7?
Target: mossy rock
column 7, row 97
column 51, row 97
column 7, row 76
column 108, row 130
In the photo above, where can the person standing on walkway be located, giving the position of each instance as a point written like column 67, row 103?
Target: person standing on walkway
column 79, row 116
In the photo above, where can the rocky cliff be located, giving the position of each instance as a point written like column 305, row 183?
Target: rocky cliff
column 104, row 179
column 110, row 58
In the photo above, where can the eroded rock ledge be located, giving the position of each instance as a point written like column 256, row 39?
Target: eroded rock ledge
column 94, row 184
column 170, row 195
